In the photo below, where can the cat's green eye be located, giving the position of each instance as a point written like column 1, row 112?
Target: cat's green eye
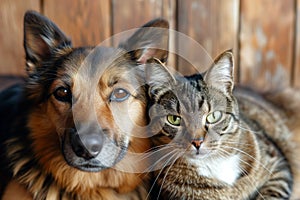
column 214, row 117
column 174, row 120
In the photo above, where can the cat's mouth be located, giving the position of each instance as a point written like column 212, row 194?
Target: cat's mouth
column 198, row 152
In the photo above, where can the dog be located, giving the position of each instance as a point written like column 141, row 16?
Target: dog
column 64, row 131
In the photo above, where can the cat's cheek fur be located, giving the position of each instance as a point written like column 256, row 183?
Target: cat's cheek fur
column 225, row 169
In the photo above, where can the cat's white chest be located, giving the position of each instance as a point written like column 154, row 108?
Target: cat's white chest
column 223, row 169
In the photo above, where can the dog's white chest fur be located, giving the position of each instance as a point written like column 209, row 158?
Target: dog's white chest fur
column 223, row 169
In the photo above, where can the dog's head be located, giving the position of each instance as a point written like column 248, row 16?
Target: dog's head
column 87, row 102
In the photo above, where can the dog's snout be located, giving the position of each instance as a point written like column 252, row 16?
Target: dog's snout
column 86, row 146
column 93, row 145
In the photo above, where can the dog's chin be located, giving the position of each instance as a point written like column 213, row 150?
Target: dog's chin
column 92, row 165
column 104, row 160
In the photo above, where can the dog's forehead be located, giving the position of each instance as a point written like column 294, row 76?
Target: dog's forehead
column 91, row 62
column 101, row 58
column 93, row 56
column 103, row 65
column 109, row 64
column 104, row 55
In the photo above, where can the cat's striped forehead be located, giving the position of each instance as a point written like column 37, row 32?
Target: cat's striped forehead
column 191, row 94
column 188, row 94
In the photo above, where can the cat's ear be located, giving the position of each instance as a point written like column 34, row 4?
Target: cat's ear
column 220, row 74
column 41, row 38
column 158, row 76
column 149, row 41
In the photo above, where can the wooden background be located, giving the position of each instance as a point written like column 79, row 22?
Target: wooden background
column 264, row 35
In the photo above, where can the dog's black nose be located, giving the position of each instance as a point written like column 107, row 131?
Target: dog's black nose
column 86, row 146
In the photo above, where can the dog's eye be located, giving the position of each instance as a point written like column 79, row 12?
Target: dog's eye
column 119, row 95
column 63, row 94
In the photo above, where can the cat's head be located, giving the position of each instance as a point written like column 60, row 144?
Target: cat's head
column 198, row 113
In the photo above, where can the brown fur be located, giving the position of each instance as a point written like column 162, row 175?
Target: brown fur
column 38, row 149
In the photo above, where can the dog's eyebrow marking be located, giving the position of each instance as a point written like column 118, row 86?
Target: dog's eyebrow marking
column 112, row 82
column 67, row 79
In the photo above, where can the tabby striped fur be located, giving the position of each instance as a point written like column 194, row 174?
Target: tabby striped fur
column 243, row 153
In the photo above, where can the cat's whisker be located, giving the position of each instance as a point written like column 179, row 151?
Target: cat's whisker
column 243, row 170
column 169, row 145
column 228, row 153
column 161, row 158
column 167, row 174
column 157, row 147
column 160, row 171
column 250, row 156
column 237, row 143
column 246, row 129
column 160, row 149
column 251, row 181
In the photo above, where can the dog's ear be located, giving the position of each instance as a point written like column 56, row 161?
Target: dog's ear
column 41, row 38
column 149, row 41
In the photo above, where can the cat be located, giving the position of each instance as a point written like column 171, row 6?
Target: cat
column 214, row 141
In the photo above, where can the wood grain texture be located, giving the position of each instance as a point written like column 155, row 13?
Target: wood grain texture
column 296, row 71
column 213, row 24
column 12, row 55
column 85, row 22
column 131, row 14
column 268, row 47
column 134, row 13
column 267, row 31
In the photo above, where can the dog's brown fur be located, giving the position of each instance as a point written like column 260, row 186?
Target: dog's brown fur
column 34, row 152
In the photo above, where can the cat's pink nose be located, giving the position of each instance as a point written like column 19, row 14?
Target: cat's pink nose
column 197, row 143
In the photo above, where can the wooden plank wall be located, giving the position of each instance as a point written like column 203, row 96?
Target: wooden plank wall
column 264, row 35
column 213, row 24
column 11, row 35
column 87, row 22
column 296, row 70
column 267, row 42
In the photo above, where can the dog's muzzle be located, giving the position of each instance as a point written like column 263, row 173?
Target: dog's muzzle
column 86, row 146
column 90, row 149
